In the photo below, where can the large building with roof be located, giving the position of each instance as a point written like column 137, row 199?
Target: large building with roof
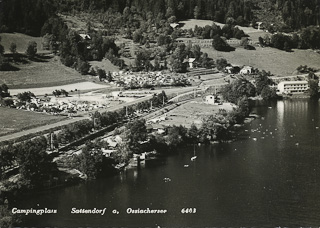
column 292, row 87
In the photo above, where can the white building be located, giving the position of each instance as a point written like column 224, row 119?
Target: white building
column 292, row 87
column 107, row 153
column 210, row 99
column 246, row 70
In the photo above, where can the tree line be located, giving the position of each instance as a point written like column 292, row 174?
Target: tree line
column 309, row 38
column 28, row 16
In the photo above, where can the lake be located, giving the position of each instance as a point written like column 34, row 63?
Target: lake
column 270, row 176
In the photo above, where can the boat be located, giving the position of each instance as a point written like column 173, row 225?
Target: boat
column 166, row 179
column 186, row 166
column 194, row 154
column 120, row 166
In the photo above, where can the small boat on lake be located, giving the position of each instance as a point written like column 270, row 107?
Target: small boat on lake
column 194, row 154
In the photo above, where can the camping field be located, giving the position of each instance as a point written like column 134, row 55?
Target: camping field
column 193, row 112
column 13, row 120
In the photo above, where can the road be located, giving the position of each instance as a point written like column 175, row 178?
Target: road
column 48, row 90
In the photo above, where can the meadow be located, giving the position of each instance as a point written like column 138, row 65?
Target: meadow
column 279, row 63
column 49, row 72
column 14, row 120
column 21, row 40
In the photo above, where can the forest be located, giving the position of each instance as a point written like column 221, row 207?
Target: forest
column 28, row 16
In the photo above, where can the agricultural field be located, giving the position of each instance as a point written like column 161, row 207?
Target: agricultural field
column 14, row 120
column 49, row 72
column 21, row 40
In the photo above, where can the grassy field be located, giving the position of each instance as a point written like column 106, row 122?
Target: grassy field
column 79, row 22
column 252, row 32
column 21, row 40
column 192, row 112
column 13, row 120
column 104, row 64
column 79, row 87
column 279, row 63
column 50, row 72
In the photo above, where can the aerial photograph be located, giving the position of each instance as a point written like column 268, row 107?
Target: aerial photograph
column 159, row 113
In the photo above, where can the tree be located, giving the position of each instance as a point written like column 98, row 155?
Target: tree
column 64, row 92
column 123, row 151
column 109, row 77
column 1, row 48
column 31, row 49
column 268, row 93
column 90, row 161
column 25, row 96
column 7, row 219
column 13, row 48
column 96, row 119
column 35, row 164
column 220, row 45
column 237, row 90
column 101, row 74
column 4, row 88
column 196, row 12
column 262, row 81
column 314, row 88
column 221, row 64
column 178, row 57
column 56, row 93
column 7, row 155
column 174, row 137
column 83, row 66
column 261, row 41
column 193, row 133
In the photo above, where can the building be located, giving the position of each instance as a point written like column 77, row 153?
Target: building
column 107, row 153
column 292, row 87
column 246, row 70
column 210, row 99
column 190, row 61
column 85, row 36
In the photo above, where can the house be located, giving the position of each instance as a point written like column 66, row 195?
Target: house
column 190, row 61
column 246, row 70
column 229, row 69
column 156, row 128
column 259, row 25
column 107, row 153
column 210, row 99
column 112, row 143
column 85, row 36
column 174, row 25
column 292, row 87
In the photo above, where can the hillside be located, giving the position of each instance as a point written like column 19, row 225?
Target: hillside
column 21, row 40
column 265, row 11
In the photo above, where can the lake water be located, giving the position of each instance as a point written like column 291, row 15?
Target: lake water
column 269, row 177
